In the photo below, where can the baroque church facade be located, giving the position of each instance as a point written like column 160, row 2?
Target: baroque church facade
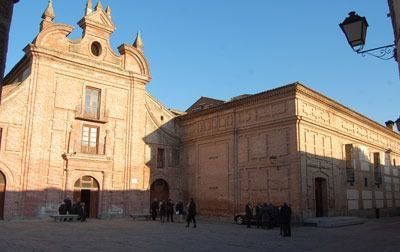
column 76, row 121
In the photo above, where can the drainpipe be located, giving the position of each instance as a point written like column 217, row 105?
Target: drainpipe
column 65, row 158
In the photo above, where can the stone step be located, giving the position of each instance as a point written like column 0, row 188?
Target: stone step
column 336, row 221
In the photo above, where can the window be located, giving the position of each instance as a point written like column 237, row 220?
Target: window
column 96, row 48
column 160, row 158
column 377, row 169
column 1, row 134
column 92, row 102
column 174, row 158
column 90, row 136
column 366, row 182
column 349, row 163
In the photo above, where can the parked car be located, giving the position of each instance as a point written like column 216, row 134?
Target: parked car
column 241, row 219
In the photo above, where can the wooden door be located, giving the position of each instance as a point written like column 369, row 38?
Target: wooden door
column 320, row 197
column 159, row 190
column 2, row 194
column 94, row 198
column 86, row 189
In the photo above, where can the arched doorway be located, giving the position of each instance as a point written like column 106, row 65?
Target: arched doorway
column 2, row 194
column 321, row 197
column 159, row 189
column 86, row 189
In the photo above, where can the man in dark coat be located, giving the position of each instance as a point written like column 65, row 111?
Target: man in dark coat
column 280, row 220
column 191, row 213
column 82, row 211
column 179, row 210
column 264, row 215
column 62, row 209
column 249, row 214
column 68, row 205
column 286, row 216
column 170, row 210
column 154, row 209
column 258, row 215
column 270, row 211
column 163, row 210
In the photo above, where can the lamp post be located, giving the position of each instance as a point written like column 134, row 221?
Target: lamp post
column 354, row 28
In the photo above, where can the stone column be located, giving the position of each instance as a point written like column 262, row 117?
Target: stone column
column 6, row 10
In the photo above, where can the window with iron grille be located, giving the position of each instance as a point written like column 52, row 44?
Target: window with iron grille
column 377, row 168
column 92, row 103
column 349, row 163
column 90, row 137
column 160, row 158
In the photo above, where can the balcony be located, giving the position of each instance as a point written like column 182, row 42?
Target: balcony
column 78, row 151
column 101, row 117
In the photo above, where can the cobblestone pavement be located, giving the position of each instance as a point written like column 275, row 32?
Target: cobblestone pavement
column 127, row 235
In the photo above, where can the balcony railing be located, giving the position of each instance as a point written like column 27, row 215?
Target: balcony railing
column 81, row 114
column 78, row 147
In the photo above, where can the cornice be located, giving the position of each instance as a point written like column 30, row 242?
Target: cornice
column 25, row 60
column 105, row 67
column 301, row 89
column 283, row 91
column 312, row 124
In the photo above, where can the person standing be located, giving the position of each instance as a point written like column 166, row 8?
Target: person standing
column 75, row 207
column 154, row 209
column 170, row 210
column 68, row 205
column 280, row 220
column 258, row 215
column 162, row 211
column 62, row 209
column 270, row 212
column 82, row 211
column 286, row 216
column 249, row 214
column 191, row 213
column 179, row 210
column 264, row 215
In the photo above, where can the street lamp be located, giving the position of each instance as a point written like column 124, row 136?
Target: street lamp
column 354, row 28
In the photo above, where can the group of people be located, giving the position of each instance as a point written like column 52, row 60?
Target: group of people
column 165, row 210
column 270, row 216
column 79, row 208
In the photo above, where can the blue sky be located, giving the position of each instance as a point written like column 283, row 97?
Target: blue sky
column 224, row 48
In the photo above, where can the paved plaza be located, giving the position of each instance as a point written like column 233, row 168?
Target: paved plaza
column 211, row 235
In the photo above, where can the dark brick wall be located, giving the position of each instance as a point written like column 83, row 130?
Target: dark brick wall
column 6, row 9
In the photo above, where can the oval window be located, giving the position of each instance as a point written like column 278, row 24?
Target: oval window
column 96, row 48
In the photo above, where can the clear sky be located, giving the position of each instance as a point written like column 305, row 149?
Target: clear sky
column 224, row 48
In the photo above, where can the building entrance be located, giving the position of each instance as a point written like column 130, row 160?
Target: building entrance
column 86, row 189
column 2, row 194
column 321, row 199
column 159, row 189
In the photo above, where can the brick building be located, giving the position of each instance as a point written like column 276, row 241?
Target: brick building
column 76, row 121
column 290, row 144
